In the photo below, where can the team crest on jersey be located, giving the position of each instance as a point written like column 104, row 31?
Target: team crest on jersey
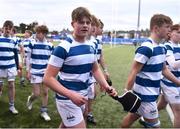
column 12, row 41
column 92, row 49
column 163, row 51
column 46, row 47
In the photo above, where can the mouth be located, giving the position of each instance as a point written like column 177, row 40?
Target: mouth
column 84, row 30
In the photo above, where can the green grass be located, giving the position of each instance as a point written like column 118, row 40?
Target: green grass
column 107, row 112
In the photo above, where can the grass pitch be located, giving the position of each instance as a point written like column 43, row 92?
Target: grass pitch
column 107, row 112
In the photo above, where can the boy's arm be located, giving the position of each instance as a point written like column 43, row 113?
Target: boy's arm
column 97, row 73
column 172, row 62
column 167, row 73
column 103, row 66
column 16, row 57
column 136, row 67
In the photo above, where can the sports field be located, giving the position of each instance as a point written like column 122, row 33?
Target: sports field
column 107, row 112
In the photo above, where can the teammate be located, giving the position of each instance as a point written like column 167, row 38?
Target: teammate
column 25, row 43
column 38, row 54
column 96, row 29
column 8, row 53
column 147, row 69
column 170, row 91
column 19, row 48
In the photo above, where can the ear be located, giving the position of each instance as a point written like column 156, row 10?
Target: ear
column 169, row 35
column 156, row 29
column 72, row 24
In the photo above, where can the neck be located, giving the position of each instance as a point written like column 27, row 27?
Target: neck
column 79, row 38
column 6, row 35
column 155, row 38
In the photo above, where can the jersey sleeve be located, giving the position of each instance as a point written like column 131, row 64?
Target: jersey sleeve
column 143, row 54
column 59, row 55
column 169, row 49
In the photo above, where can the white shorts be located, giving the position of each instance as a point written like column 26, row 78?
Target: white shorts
column 10, row 73
column 36, row 79
column 148, row 110
column 70, row 113
column 91, row 91
column 171, row 94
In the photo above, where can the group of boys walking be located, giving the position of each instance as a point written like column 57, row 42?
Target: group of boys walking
column 71, row 70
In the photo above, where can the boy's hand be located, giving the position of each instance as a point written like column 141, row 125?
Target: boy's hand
column 111, row 91
column 78, row 99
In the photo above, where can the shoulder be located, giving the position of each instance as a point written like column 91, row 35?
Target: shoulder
column 168, row 46
column 145, row 49
column 65, row 45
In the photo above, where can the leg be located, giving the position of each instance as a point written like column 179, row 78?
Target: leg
column 44, row 111
column 35, row 91
column 34, row 96
column 176, row 111
column 62, row 125
column 22, row 80
column 91, row 98
column 161, row 104
column 11, row 94
column 11, row 91
column 80, row 125
column 1, row 87
column 129, row 119
column 45, row 96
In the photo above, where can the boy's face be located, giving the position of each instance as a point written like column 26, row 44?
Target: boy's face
column 82, row 27
column 99, row 30
column 7, row 31
column 1, row 32
column 26, row 35
column 40, row 36
column 163, row 31
column 175, row 36
column 93, row 30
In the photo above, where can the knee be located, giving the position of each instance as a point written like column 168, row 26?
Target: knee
column 11, row 85
column 45, row 93
column 36, row 94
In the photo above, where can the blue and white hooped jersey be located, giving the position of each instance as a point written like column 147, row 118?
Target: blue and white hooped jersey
column 75, row 61
column 7, row 47
column 98, row 48
column 147, row 82
column 40, row 53
column 17, row 41
column 173, row 50
column 26, row 43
